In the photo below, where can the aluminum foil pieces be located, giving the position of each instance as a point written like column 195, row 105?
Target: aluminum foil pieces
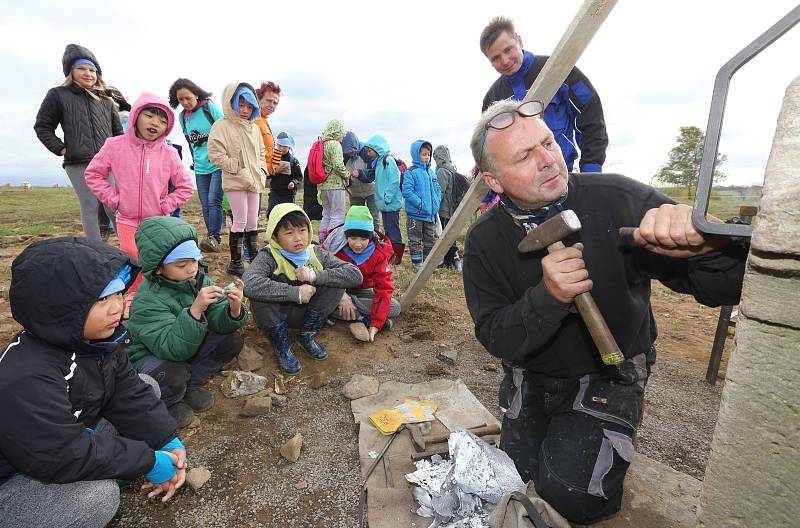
column 462, row 491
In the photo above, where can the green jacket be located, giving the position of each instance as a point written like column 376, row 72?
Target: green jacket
column 160, row 323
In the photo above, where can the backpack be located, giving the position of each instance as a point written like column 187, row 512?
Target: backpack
column 400, row 165
column 460, row 187
column 197, row 142
column 316, row 171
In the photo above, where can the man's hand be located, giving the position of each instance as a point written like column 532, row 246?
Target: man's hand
column 306, row 292
column 63, row 151
column 565, row 274
column 372, row 333
column 235, row 296
column 205, row 298
column 347, row 310
column 668, row 230
column 306, row 274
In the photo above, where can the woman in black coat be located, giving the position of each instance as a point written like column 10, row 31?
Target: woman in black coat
column 87, row 115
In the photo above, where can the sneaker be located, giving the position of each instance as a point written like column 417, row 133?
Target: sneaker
column 209, row 245
column 359, row 331
column 199, row 399
column 457, row 266
column 388, row 324
column 181, row 413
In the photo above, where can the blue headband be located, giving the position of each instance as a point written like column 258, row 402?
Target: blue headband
column 285, row 140
column 250, row 97
column 118, row 283
column 184, row 250
column 83, row 61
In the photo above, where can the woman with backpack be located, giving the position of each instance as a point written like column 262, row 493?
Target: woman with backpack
column 196, row 119
column 87, row 115
column 453, row 185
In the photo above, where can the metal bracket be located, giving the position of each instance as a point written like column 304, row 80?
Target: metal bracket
column 714, row 128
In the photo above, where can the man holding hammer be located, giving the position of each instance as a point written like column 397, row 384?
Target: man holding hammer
column 570, row 419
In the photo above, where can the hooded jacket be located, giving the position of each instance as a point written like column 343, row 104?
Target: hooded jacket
column 266, row 280
column 444, row 175
column 85, row 121
column 160, row 322
column 388, row 195
column 351, row 147
column 375, row 270
column 53, row 384
column 142, row 171
column 336, row 175
column 235, row 146
column 420, row 187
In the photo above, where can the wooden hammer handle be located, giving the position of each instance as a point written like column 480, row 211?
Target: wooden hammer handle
column 477, row 431
column 596, row 323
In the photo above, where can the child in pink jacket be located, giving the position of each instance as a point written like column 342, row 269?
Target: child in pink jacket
column 142, row 165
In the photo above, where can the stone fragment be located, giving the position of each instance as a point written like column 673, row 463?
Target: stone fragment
column 490, row 367
column 360, row 386
column 239, row 383
column 256, row 406
column 250, row 359
column 278, row 400
column 280, row 386
column 448, row 356
column 301, row 484
column 197, row 477
column 320, row 379
column 291, row 449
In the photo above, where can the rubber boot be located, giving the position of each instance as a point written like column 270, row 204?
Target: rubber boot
column 416, row 259
column 279, row 337
column 399, row 249
column 312, row 324
column 251, row 243
column 236, row 267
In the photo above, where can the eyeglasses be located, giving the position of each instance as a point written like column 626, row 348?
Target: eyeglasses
column 504, row 120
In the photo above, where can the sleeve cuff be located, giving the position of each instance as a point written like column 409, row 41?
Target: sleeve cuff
column 545, row 307
column 591, row 167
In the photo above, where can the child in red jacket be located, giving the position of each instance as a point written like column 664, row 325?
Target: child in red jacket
column 370, row 306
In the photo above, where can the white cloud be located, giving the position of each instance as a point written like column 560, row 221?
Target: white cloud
column 407, row 70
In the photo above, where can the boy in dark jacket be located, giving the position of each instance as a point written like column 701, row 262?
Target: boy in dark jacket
column 370, row 305
column 291, row 283
column 284, row 186
column 423, row 197
column 63, row 373
column 184, row 328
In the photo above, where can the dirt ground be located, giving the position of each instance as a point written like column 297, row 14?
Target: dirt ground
column 252, row 485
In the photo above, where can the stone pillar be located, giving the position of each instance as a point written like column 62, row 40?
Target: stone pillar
column 753, row 473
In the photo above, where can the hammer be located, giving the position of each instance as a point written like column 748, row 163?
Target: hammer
column 549, row 234
column 421, row 441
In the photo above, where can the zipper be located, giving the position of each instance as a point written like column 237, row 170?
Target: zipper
column 141, row 178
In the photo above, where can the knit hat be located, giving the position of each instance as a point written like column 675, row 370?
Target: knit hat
column 358, row 222
column 73, row 52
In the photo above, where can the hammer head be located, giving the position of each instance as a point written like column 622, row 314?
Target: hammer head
column 553, row 230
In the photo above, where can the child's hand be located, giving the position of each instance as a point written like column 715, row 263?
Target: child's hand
column 235, row 295
column 205, row 298
column 291, row 185
column 372, row 333
column 306, row 292
column 354, row 173
column 306, row 274
column 347, row 310
column 170, row 486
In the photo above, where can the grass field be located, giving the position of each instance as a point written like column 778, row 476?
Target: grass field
column 48, row 211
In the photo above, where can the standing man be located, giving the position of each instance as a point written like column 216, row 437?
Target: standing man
column 575, row 114
column 569, row 421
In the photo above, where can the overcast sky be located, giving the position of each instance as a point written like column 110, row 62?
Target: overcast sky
column 409, row 70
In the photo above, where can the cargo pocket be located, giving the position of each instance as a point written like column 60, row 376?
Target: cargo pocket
column 610, row 400
column 615, row 455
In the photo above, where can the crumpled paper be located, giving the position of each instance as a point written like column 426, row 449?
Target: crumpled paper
column 462, row 491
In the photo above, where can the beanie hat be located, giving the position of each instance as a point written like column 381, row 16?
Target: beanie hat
column 73, row 52
column 358, row 219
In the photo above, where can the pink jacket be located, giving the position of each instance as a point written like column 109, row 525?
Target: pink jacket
column 141, row 169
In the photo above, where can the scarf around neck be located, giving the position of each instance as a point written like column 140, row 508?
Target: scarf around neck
column 360, row 258
column 531, row 218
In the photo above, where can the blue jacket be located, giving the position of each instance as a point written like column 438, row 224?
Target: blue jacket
column 388, row 197
column 421, row 188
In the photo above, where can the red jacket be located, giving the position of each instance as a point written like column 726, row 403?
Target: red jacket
column 378, row 276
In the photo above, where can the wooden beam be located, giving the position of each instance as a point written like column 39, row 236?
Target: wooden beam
column 587, row 21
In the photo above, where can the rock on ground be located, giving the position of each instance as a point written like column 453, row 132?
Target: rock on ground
column 291, row 449
column 256, row 406
column 360, row 386
column 250, row 359
column 196, row 477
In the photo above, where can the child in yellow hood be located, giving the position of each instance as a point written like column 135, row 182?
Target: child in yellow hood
column 235, row 146
column 294, row 284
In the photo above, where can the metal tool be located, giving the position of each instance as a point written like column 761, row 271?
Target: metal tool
column 421, row 441
column 362, row 495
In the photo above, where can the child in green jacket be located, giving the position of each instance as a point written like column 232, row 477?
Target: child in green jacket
column 184, row 328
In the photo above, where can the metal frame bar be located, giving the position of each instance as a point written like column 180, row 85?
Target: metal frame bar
column 714, row 127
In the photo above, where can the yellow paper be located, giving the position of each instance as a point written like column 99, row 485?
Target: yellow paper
column 389, row 421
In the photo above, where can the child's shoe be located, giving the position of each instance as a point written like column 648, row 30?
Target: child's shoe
column 312, row 323
column 279, row 337
column 181, row 413
column 209, row 245
column 199, row 399
column 359, row 331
